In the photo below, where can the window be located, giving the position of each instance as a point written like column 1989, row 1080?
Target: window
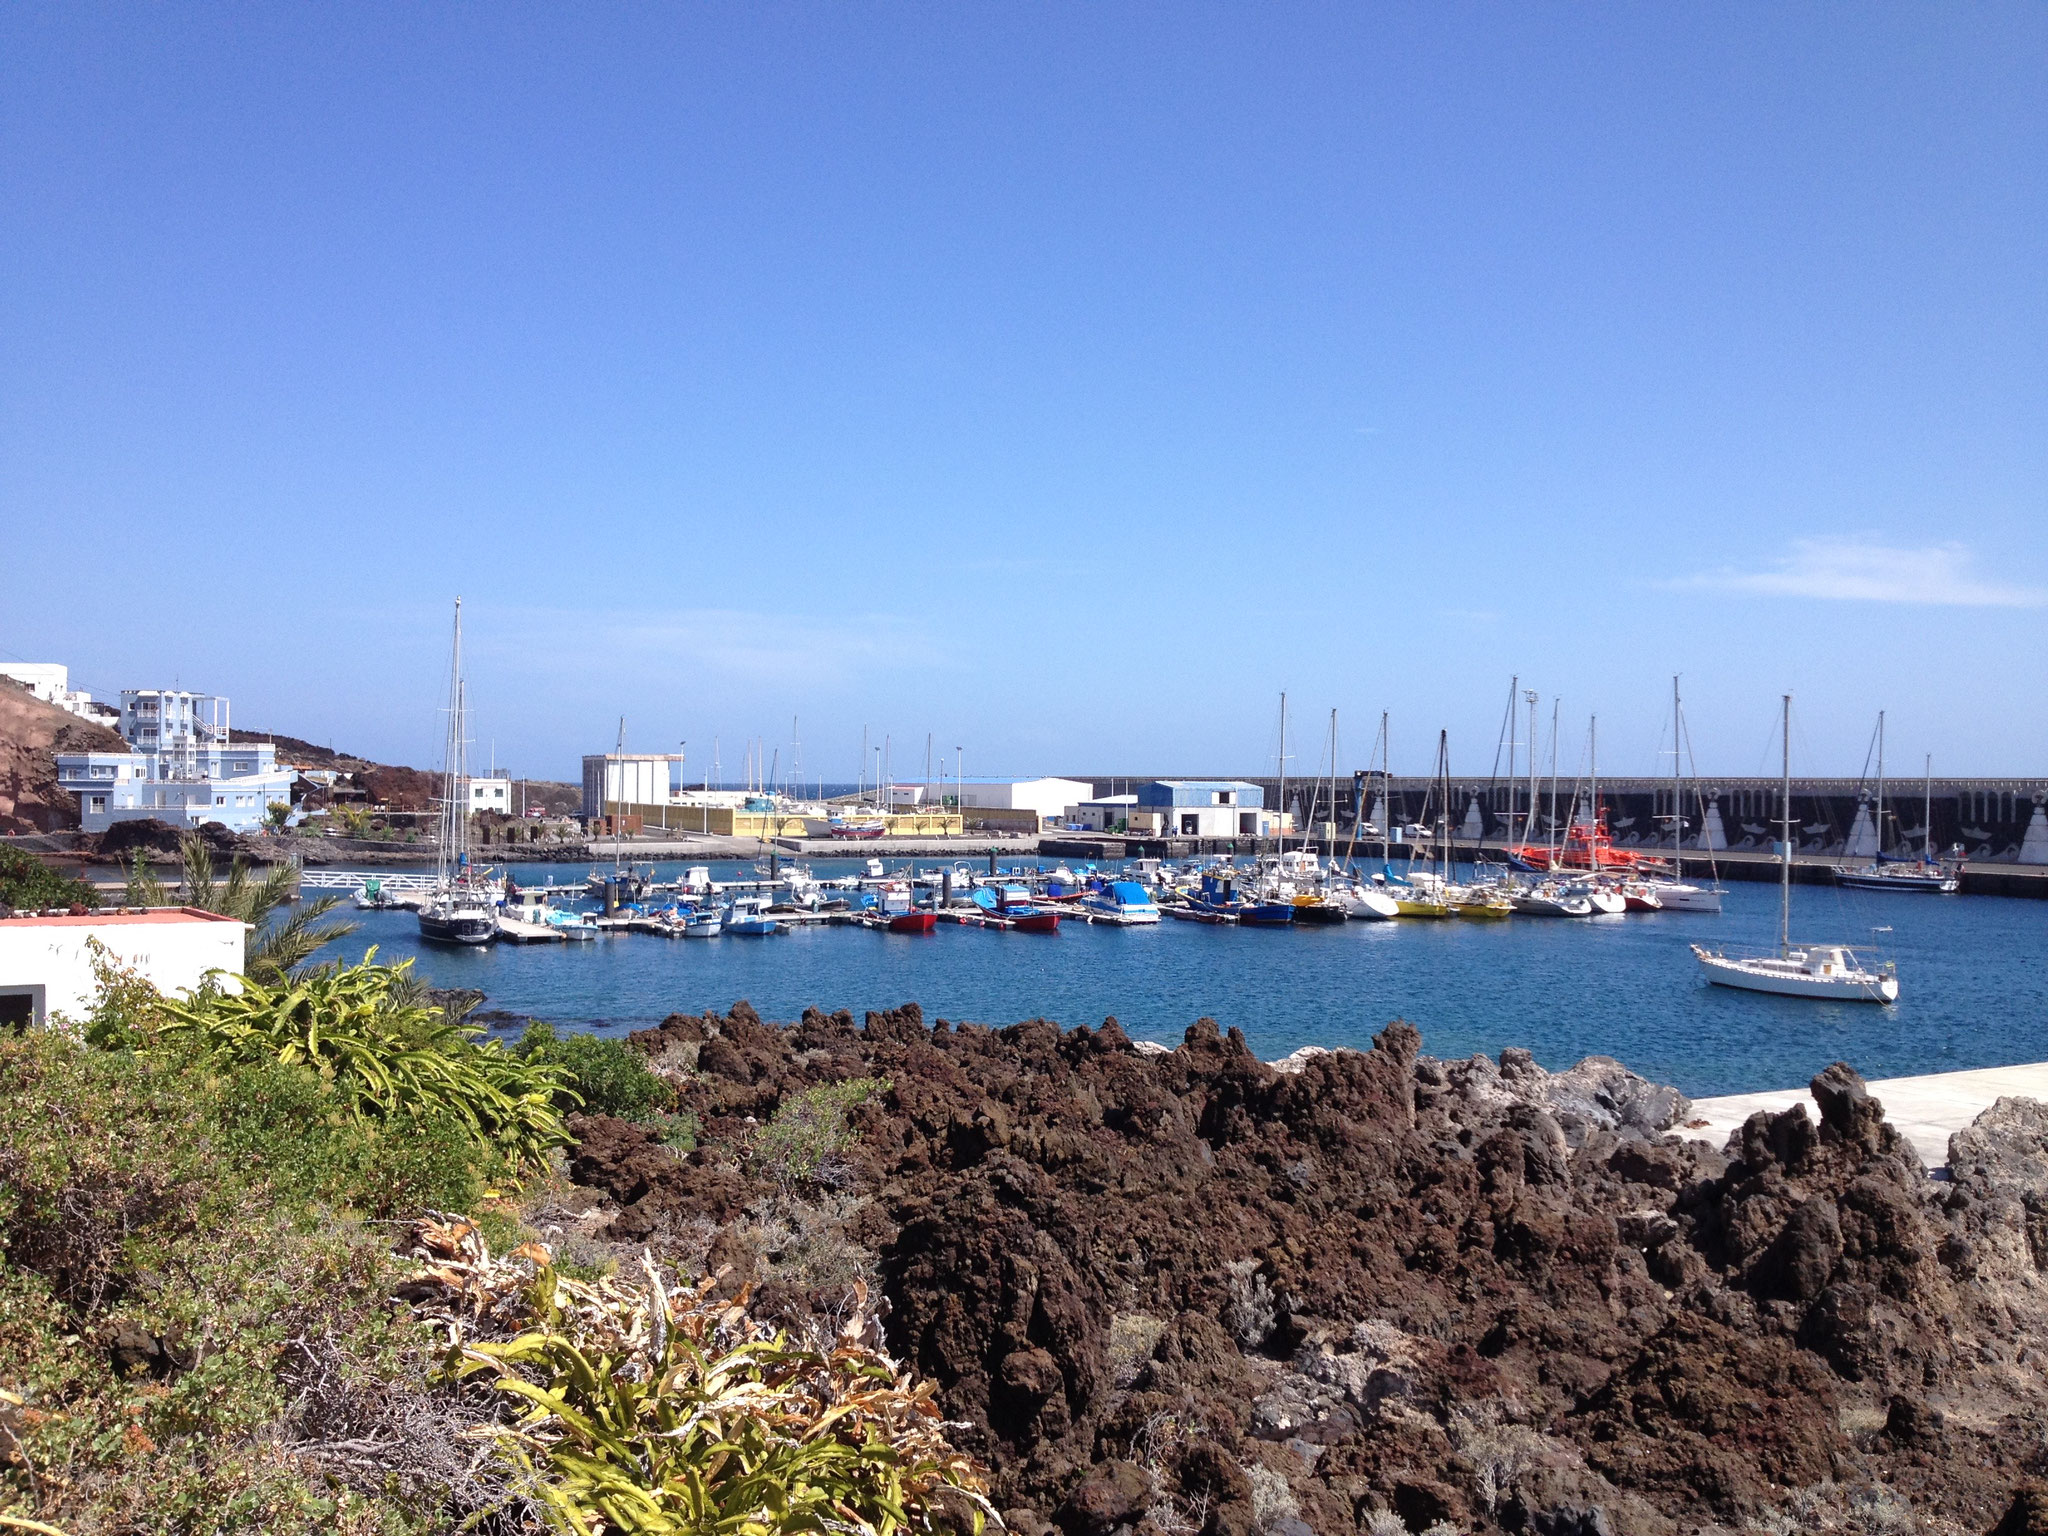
column 20, row 1007
column 98, row 803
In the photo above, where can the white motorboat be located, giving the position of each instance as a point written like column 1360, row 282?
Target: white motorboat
column 1550, row 900
column 1807, row 970
column 1601, row 900
column 704, row 923
column 1683, row 896
column 1362, row 901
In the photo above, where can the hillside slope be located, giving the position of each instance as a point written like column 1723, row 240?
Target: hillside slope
column 32, row 733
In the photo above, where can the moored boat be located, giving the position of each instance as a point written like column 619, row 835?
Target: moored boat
column 1122, row 902
column 1829, row 971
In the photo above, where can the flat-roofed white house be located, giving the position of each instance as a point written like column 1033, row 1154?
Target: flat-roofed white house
column 1208, row 807
column 1048, row 798
column 50, row 681
column 46, row 960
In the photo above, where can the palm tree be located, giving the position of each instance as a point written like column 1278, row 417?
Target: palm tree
column 276, row 946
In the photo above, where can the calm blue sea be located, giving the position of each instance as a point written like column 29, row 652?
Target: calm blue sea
column 1973, row 978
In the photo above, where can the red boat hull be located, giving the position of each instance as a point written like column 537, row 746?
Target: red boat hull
column 1037, row 922
column 913, row 922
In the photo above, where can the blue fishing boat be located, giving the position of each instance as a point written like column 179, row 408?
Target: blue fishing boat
column 1122, row 901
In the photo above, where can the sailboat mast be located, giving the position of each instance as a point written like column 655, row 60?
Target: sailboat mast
column 1593, row 764
column 1785, row 847
column 1514, row 693
column 1880, row 786
column 1386, row 794
column 1529, row 818
column 1677, row 791
column 1556, row 705
column 454, row 769
column 1927, row 817
column 1281, row 824
column 619, row 818
column 1333, row 783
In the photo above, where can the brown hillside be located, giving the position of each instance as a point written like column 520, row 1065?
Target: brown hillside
column 32, row 733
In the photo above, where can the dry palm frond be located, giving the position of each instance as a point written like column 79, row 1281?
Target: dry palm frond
column 651, row 1409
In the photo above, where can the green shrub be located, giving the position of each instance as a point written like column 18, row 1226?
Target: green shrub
column 607, row 1077
column 657, row 1412
column 379, row 1061
column 809, row 1129
column 27, row 882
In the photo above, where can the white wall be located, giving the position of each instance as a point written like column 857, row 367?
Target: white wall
column 50, row 957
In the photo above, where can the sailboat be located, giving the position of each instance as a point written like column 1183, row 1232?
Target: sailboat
column 1679, row 894
column 1928, row 873
column 1809, row 970
column 461, row 908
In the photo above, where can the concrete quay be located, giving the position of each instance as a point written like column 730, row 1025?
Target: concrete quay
column 1927, row 1110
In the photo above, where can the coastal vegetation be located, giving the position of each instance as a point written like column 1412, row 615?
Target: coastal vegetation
column 27, row 884
column 229, row 1303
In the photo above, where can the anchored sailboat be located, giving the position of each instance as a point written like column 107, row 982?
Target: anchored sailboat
column 1811, row 970
column 462, row 908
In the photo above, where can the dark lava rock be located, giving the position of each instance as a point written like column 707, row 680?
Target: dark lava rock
column 2027, row 1515
column 1183, row 1288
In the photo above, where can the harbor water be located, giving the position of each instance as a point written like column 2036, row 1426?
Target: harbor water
column 1973, row 977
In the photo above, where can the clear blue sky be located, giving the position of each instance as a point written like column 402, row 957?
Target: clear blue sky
column 1061, row 380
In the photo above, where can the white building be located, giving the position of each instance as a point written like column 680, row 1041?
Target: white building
column 630, row 778
column 50, row 681
column 46, row 962
column 1102, row 814
column 186, row 768
column 1048, row 797
column 492, row 793
column 1209, row 807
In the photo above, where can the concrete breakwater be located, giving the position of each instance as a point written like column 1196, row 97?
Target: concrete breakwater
column 1990, row 817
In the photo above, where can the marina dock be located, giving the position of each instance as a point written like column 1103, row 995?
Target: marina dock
column 1927, row 1110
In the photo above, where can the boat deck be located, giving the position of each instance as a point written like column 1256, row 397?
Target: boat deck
column 1927, row 1110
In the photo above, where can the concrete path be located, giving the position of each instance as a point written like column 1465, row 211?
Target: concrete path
column 1927, row 1110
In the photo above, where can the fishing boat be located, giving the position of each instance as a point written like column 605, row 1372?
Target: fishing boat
column 1122, row 902
column 1832, row 971
column 1926, row 874
column 748, row 917
column 858, row 829
column 462, row 908
column 703, row 922
column 1016, row 908
column 1639, row 896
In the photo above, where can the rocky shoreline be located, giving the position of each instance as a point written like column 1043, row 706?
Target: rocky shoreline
column 1187, row 1291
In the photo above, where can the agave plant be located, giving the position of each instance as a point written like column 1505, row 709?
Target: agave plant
column 277, row 945
column 381, row 1060
column 654, row 1412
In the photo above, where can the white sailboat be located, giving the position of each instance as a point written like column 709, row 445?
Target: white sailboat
column 462, row 908
column 1811, row 970
column 1679, row 894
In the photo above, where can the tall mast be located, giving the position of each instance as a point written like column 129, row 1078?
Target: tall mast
column 1281, row 826
column 1443, row 768
column 1555, row 706
column 1386, row 794
column 454, row 838
column 1677, row 792
column 1333, row 782
column 1593, row 763
column 1880, row 786
column 619, row 819
column 1785, row 848
column 1927, row 817
column 1514, row 692
column 1529, row 818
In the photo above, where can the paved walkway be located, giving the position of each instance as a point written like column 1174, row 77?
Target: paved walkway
column 1927, row 1110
